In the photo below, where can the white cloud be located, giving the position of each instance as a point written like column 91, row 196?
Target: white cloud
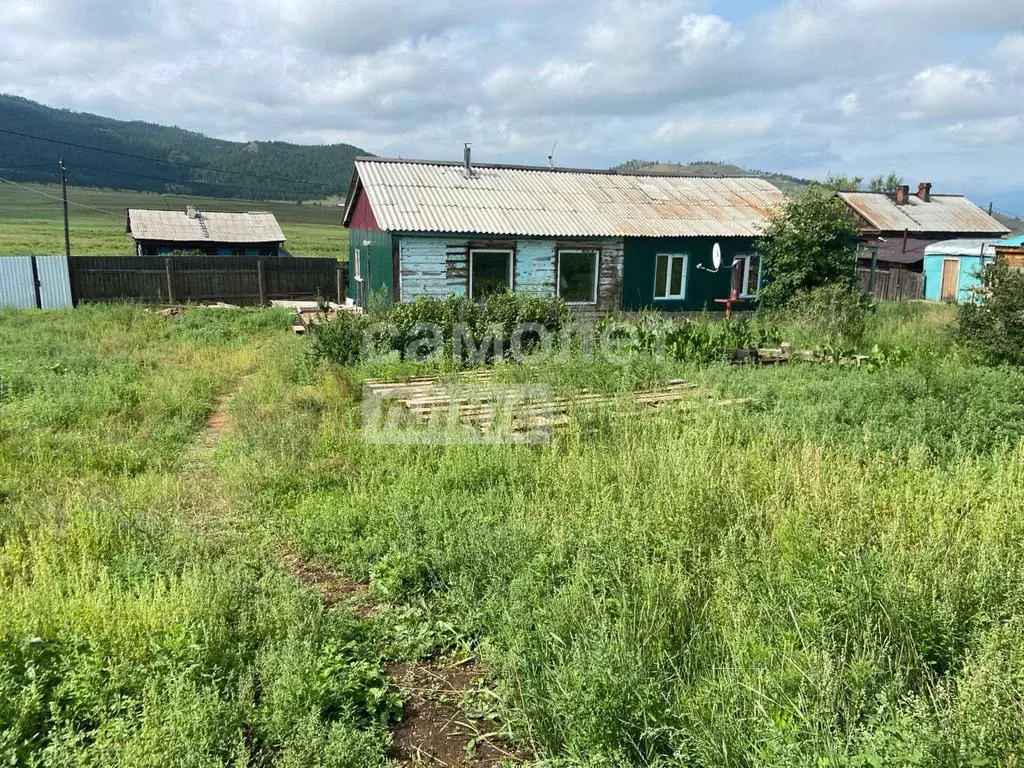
column 803, row 85
column 848, row 104
column 948, row 89
column 709, row 129
column 986, row 132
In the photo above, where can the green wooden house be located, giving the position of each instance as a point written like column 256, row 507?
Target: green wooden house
column 601, row 240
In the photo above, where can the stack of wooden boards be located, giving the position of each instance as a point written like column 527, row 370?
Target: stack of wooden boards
column 476, row 400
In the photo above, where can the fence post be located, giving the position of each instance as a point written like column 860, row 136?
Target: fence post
column 35, row 283
column 338, row 281
column 874, row 266
column 263, row 282
column 170, row 279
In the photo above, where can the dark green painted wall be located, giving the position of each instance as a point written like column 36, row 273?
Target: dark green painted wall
column 376, row 263
column 702, row 286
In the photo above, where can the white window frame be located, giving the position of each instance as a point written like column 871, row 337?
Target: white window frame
column 357, row 273
column 745, row 292
column 597, row 274
column 511, row 266
column 668, row 276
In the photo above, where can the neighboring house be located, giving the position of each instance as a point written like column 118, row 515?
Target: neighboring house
column 900, row 225
column 212, row 233
column 1011, row 250
column 952, row 268
column 600, row 240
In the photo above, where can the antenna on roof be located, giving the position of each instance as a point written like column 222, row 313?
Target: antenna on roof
column 551, row 157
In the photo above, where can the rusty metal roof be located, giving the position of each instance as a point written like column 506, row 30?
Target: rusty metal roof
column 204, row 226
column 942, row 213
column 423, row 196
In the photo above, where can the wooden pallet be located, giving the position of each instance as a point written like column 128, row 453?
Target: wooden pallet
column 474, row 400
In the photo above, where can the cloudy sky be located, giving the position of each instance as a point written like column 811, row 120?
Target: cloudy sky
column 932, row 88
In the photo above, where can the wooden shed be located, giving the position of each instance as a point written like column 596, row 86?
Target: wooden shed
column 211, row 233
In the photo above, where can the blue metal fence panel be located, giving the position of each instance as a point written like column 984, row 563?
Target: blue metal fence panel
column 16, row 289
column 55, row 288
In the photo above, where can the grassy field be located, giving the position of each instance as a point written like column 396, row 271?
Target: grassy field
column 31, row 220
column 830, row 575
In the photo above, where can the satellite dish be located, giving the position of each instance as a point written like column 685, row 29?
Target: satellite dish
column 716, row 256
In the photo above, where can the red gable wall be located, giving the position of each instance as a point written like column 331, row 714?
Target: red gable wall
column 362, row 214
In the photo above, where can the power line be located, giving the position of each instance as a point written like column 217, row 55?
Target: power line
column 58, row 199
column 168, row 162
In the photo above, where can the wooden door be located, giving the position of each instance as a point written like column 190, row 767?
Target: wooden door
column 950, row 280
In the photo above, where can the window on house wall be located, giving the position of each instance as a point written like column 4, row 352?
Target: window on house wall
column 749, row 266
column 670, row 276
column 489, row 272
column 577, row 276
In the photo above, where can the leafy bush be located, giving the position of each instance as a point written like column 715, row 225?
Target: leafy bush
column 811, row 243
column 993, row 330
column 477, row 332
column 833, row 315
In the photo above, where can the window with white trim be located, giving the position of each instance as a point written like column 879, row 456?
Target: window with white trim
column 490, row 272
column 750, row 266
column 577, row 276
column 357, row 271
column 670, row 275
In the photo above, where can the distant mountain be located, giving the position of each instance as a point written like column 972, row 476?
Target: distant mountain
column 783, row 181
column 257, row 170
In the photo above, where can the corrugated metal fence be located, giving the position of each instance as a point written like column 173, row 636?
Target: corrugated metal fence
column 892, row 284
column 179, row 279
column 34, row 282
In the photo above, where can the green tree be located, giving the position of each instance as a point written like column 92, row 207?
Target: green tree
column 840, row 182
column 886, row 183
column 810, row 243
column 993, row 327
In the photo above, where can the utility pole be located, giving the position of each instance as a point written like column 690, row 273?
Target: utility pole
column 64, row 197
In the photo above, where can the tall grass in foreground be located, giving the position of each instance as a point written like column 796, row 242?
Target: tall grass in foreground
column 830, row 576
column 130, row 634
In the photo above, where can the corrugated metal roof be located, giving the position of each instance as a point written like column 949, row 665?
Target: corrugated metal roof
column 970, row 247
column 942, row 213
column 419, row 196
column 212, row 226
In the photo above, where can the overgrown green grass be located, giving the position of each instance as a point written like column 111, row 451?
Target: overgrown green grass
column 133, row 631
column 829, row 575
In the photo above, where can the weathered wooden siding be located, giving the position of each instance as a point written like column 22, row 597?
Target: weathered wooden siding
column 431, row 267
column 436, row 267
column 535, row 268
column 609, row 278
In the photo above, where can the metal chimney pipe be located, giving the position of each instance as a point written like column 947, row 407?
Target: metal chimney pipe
column 467, row 160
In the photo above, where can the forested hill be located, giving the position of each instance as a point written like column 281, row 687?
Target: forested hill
column 783, row 181
column 257, row 170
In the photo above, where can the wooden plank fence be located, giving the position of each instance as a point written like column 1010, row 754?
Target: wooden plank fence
column 180, row 279
column 892, row 284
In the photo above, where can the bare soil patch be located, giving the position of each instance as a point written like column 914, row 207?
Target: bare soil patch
column 217, row 421
column 332, row 586
column 437, row 729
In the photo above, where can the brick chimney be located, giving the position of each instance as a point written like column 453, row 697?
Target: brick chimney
column 924, row 191
column 902, row 194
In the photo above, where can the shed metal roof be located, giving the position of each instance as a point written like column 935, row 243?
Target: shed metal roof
column 424, row 196
column 211, row 226
column 969, row 247
column 942, row 213
column 1011, row 242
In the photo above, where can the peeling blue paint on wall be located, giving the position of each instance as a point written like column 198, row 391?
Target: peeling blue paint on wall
column 425, row 269
column 535, row 268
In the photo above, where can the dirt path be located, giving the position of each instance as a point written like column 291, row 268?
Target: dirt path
column 445, row 722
